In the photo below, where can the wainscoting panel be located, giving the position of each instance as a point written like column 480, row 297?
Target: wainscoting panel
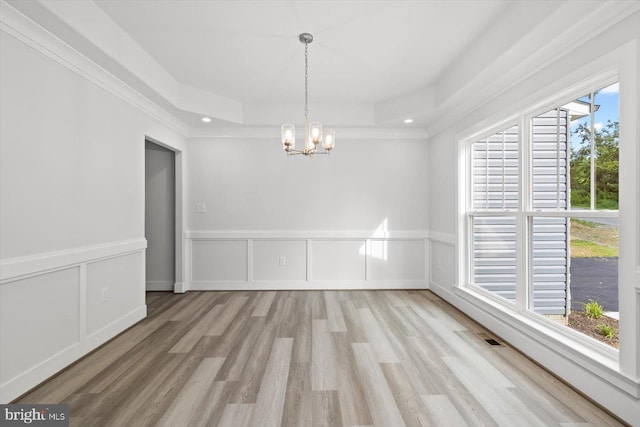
column 56, row 307
column 118, row 277
column 397, row 259
column 442, row 263
column 39, row 317
column 279, row 260
column 246, row 260
column 339, row 260
column 219, row 260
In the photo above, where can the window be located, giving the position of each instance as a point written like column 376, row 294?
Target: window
column 495, row 199
column 543, row 207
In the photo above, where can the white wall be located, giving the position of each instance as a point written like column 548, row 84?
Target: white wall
column 160, row 217
column 367, row 202
column 71, row 205
column 612, row 382
column 250, row 184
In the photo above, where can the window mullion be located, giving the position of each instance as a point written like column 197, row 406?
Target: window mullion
column 558, row 158
column 524, row 202
column 592, row 144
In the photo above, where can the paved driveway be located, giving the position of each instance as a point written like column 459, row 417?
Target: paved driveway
column 596, row 279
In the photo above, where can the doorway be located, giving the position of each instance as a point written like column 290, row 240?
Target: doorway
column 160, row 217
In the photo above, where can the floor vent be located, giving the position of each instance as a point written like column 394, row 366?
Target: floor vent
column 491, row 341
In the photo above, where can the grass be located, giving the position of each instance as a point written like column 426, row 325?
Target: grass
column 589, row 239
column 606, row 331
column 593, row 309
column 586, row 249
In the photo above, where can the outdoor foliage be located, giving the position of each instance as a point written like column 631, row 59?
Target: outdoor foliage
column 593, row 309
column 606, row 163
column 606, row 330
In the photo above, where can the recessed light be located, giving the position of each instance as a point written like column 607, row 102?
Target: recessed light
column 206, row 119
column 407, row 121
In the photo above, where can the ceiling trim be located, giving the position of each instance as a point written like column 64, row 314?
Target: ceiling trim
column 473, row 88
column 90, row 22
column 346, row 133
column 305, row 234
column 528, row 56
column 25, row 30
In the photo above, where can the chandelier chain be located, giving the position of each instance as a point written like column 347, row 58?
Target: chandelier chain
column 306, row 77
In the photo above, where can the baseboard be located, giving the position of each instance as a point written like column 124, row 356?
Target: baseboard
column 19, row 385
column 180, row 287
column 318, row 285
column 159, row 285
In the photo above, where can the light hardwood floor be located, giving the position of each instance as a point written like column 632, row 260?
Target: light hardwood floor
column 353, row 358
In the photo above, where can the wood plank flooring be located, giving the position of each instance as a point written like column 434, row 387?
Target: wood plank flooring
column 310, row 358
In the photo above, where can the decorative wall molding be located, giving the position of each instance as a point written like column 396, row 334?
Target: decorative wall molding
column 97, row 320
column 345, row 133
column 444, row 238
column 304, row 234
column 18, row 385
column 530, row 58
column 306, row 259
column 18, row 26
column 12, row 269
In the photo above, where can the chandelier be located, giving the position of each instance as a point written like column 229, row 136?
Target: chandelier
column 313, row 133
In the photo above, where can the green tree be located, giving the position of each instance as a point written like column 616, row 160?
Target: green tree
column 607, row 148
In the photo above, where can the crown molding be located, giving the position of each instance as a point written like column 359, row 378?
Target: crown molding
column 305, row 234
column 350, row 133
column 528, row 56
column 25, row 30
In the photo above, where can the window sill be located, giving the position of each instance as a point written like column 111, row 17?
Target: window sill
column 590, row 354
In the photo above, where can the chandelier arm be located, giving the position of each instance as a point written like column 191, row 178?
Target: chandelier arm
column 306, row 153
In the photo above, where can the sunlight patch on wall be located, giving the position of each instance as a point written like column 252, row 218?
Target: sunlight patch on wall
column 378, row 248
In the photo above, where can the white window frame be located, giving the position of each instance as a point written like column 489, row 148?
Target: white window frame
column 612, row 379
column 470, row 212
column 464, row 270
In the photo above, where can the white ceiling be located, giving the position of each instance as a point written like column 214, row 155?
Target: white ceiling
column 363, row 51
column 373, row 63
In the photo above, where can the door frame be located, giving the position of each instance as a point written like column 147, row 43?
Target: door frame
column 179, row 285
